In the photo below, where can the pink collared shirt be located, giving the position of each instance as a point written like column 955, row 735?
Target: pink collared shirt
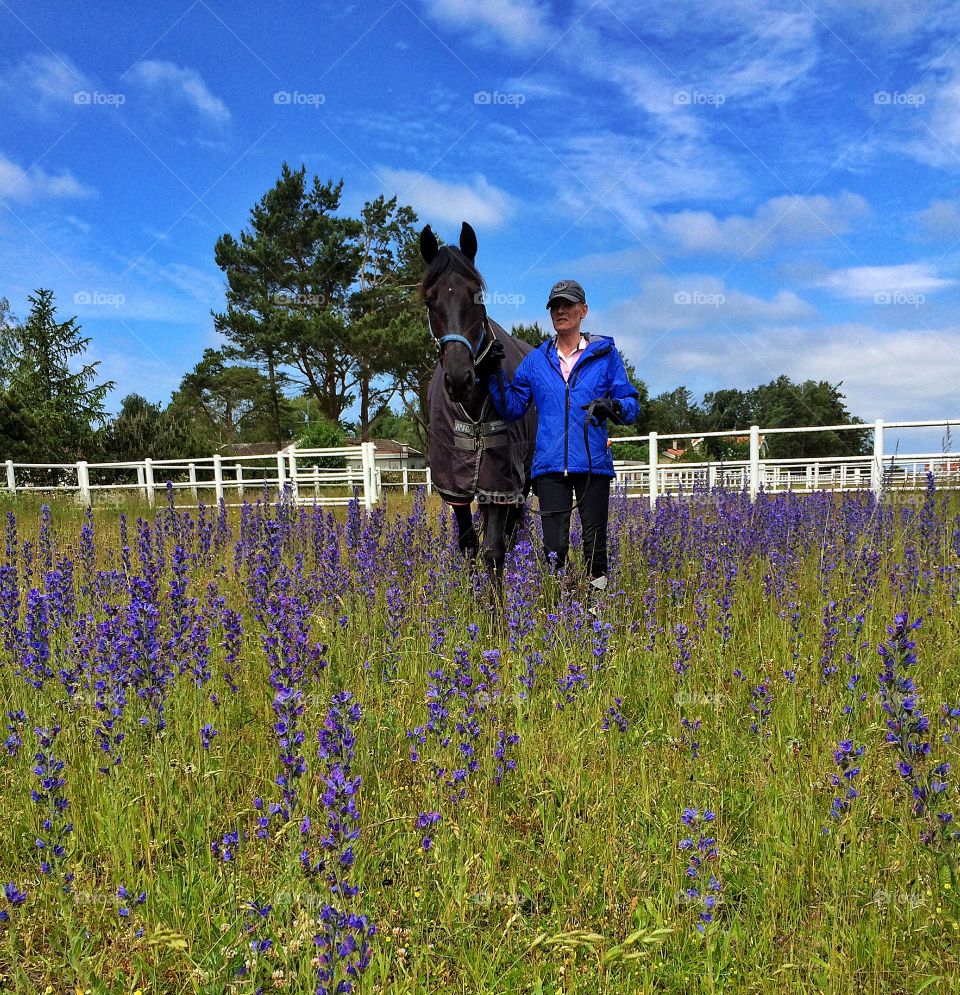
column 567, row 363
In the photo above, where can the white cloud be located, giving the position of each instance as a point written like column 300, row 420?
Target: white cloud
column 17, row 183
column 900, row 375
column 871, row 281
column 43, row 80
column 628, row 175
column 941, row 220
column 780, row 221
column 696, row 302
column 519, row 24
column 180, row 84
column 480, row 203
column 743, row 50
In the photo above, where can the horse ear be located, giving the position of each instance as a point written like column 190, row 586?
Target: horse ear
column 429, row 247
column 468, row 242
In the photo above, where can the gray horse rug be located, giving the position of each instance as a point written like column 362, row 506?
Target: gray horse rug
column 488, row 459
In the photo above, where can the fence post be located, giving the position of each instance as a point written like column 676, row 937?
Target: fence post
column 754, row 461
column 83, row 481
column 281, row 474
column 192, row 471
column 374, row 472
column 406, row 478
column 876, row 467
column 218, row 477
column 428, row 477
column 148, row 481
column 239, row 468
column 367, row 467
column 292, row 460
column 11, row 477
column 654, row 462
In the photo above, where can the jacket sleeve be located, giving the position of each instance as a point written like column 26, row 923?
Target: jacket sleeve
column 622, row 390
column 511, row 399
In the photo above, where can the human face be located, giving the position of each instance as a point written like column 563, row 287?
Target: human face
column 566, row 317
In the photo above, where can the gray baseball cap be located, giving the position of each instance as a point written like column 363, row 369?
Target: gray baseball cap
column 567, row 290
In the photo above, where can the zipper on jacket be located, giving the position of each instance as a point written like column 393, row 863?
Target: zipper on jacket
column 602, row 351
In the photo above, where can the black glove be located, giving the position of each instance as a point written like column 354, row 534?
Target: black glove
column 604, row 408
column 495, row 355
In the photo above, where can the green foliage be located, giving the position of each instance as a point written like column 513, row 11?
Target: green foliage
column 672, row 411
column 143, row 429
column 784, row 404
column 531, row 334
column 221, row 403
column 390, row 346
column 49, row 387
column 388, row 424
column 322, row 434
column 18, row 429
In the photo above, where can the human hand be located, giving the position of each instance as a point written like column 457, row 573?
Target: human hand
column 495, row 355
column 604, row 408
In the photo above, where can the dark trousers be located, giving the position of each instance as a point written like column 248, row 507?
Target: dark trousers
column 555, row 492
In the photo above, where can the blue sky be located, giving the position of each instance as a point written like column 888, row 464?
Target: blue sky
column 744, row 188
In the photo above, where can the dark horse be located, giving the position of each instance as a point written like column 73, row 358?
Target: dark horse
column 474, row 455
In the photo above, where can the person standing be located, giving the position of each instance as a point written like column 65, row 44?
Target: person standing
column 578, row 383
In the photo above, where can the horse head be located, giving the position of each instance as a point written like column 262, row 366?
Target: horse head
column 452, row 291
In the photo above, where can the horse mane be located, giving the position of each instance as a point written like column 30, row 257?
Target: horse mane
column 450, row 260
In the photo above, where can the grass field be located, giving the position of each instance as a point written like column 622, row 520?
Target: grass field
column 291, row 749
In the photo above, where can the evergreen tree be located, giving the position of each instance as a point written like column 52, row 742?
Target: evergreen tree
column 287, row 279
column 531, row 334
column 65, row 407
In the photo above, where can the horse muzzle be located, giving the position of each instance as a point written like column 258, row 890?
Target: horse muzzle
column 459, row 385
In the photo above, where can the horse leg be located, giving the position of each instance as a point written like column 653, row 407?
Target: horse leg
column 494, row 546
column 515, row 518
column 467, row 534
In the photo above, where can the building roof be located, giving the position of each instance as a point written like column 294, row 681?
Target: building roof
column 387, row 447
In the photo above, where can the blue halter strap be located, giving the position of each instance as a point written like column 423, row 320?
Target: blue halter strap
column 473, row 350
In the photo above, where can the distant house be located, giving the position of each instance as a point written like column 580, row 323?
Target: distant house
column 677, row 450
column 252, row 448
column 391, row 455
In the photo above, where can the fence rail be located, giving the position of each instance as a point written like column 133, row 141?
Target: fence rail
column 334, row 476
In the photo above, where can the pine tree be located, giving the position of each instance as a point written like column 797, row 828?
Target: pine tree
column 65, row 405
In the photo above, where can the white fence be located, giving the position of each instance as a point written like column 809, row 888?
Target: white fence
column 878, row 472
column 234, row 479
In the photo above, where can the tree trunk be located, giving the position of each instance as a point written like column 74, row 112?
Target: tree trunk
column 364, row 406
column 275, row 400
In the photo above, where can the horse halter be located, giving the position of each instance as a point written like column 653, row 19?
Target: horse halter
column 477, row 352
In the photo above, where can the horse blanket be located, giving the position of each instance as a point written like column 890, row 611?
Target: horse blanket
column 488, row 459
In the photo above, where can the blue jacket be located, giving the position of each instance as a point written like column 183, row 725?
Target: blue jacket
column 560, row 444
